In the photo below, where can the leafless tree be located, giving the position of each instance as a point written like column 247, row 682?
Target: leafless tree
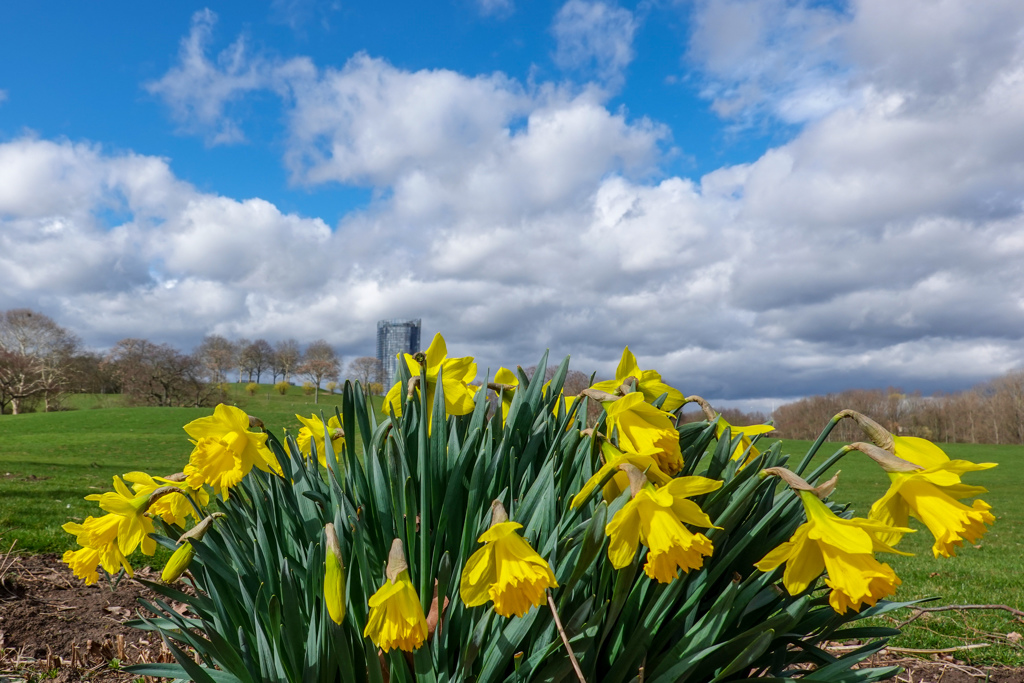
column 286, row 358
column 366, row 370
column 240, row 346
column 257, row 358
column 46, row 349
column 320, row 363
column 158, row 374
column 217, row 356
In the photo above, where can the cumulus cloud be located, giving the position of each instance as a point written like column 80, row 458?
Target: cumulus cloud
column 879, row 246
column 594, row 38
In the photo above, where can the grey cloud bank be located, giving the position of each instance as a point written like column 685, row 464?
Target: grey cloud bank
column 880, row 246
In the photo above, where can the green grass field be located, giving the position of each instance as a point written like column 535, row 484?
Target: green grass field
column 48, row 462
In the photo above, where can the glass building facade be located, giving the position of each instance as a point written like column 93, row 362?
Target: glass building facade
column 395, row 337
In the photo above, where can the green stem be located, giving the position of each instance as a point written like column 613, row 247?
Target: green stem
column 426, row 587
column 817, row 444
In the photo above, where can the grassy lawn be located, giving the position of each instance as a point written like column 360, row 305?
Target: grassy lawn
column 49, row 461
column 991, row 573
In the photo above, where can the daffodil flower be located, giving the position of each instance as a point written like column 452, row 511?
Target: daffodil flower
column 619, row 481
column 656, row 518
column 746, row 435
column 506, row 570
column 930, row 494
column 510, row 383
column 225, row 450
column 645, row 429
column 396, row 618
column 648, row 382
column 312, row 432
column 98, row 538
column 844, row 548
column 134, row 527
column 174, row 507
column 456, row 374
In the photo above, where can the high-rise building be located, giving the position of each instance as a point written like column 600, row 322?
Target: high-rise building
column 395, row 337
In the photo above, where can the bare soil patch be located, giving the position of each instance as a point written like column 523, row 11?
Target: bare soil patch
column 53, row 625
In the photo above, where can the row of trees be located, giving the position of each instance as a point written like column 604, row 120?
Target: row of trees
column 992, row 412
column 40, row 362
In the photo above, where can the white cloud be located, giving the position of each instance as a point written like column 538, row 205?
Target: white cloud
column 3, row 96
column 880, row 246
column 496, row 8
column 199, row 91
column 594, row 38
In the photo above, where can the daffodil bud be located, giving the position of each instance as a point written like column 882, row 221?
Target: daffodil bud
column 178, row 563
column 182, row 557
column 334, row 577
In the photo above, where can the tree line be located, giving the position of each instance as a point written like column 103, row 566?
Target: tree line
column 41, row 362
column 992, row 412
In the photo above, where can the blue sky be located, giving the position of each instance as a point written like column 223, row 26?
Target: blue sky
column 764, row 198
column 89, row 65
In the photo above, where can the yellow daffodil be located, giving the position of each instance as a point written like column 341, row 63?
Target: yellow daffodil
column 746, row 434
column 843, row 547
column 313, row 433
column 655, row 517
column 134, row 527
column 225, row 450
column 648, row 382
column 506, row 570
column 396, row 618
column 645, row 429
column 174, row 507
column 456, row 374
column 506, row 377
column 98, row 538
column 619, row 481
column 931, row 494
column 334, row 577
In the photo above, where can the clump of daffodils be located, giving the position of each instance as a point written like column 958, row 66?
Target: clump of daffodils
column 481, row 529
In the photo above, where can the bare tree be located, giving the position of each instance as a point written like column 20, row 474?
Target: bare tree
column 46, row 349
column 217, row 356
column 366, row 370
column 19, row 381
column 320, row 363
column 286, row 358
column 257, row 358
column 158, row 374
column 240, row 346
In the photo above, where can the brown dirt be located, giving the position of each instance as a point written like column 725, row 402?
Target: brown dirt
column 47, row 616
